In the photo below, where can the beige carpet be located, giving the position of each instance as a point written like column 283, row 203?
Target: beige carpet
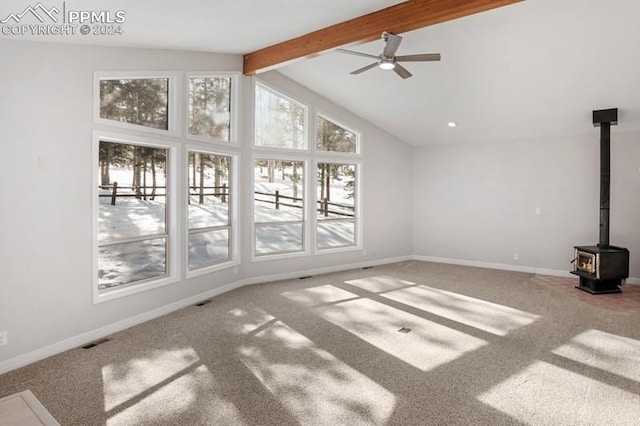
column 412, row 343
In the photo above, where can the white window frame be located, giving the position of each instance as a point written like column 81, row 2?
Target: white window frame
column 306, row 229
column 173, row 94
column 358, row 244
column 345, row 155
column 173, row 265
column 305, row 137
column 234, row 219
column 233, row 113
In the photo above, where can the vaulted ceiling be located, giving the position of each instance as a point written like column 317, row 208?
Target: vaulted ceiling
column 532, row 70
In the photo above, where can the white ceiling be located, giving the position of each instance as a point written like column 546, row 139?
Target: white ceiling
column 532, row 70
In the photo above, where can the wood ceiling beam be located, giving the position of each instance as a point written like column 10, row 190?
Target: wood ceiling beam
column 397, row 19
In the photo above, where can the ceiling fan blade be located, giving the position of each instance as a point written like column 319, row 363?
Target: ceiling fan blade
column 393, row 42
column 419, row 58
column 402, row 71
column 363, row 69
column 351, row 52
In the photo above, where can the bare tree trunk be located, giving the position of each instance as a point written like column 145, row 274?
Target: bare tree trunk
column 193, row 172
column 328, row 182
column 217, row 164
column 201, row 201
column 144, row 179
column 271, row 170
column 154, row 181
column 322, row 182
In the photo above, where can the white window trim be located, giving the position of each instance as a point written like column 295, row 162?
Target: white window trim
column 358, row 246
column 175, row 98
column 173, row 264
column 306, row 229
column 234, row 131
column 345, row 155
column 284, row 151
column 234, row 240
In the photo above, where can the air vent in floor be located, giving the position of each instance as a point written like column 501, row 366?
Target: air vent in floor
column 405, row 330
column 305, row 277
column 204, row 302
column 96, row 343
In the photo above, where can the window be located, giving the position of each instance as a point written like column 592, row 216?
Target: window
column 210, row 107
column 335, row 138
column 279, row 121
column 337, row 195
column 133, row 235
column 209, row 213
column 278, row 206
column 139, row 101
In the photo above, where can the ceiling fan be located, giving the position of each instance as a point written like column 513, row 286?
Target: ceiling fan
column 387, row 59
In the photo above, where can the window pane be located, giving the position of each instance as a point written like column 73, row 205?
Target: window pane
column 279, row 192
column 332, row 137
column 210, row 107
column 208, row 190
column 128, row 262
column 280, row 122
column 132, row 191
column 208, row 247
column 142, row 101
column 336, row 190
column 336, row 233
column 271, row 239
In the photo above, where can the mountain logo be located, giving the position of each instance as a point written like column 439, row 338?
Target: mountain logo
column 39, row 11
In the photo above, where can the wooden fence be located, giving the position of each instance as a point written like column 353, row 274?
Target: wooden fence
column 323, row 205
column 141, row 192
column 147, row 192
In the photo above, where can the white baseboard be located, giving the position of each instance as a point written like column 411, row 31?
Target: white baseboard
column 499, row 266
column 325, row 270
column 90, row 336
column 507, row 267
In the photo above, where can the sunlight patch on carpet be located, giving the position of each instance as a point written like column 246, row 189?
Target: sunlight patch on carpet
column 609, row 352
column 428, row 346
column 380, row 284
column 166, row 404
column 125, row 381
column 319, row 295
column 316, row 387
column 544, row 394
column 490, row 317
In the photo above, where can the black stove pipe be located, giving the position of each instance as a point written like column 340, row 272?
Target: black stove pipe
column 604, row 119
column 605, row 182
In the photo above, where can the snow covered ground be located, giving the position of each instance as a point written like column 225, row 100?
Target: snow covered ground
column 276, row 230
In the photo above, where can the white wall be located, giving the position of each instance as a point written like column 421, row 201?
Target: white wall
column 45, row 201
column 478, row 202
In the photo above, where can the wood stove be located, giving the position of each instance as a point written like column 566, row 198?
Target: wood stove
column 603, row 267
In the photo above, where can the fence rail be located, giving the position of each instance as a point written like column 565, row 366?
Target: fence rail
column 141, row 192
column 222, row 192
column 322, row 208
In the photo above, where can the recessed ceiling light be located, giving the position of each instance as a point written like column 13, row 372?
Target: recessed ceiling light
column 451, row 124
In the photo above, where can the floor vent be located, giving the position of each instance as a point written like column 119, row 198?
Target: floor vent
column 204, row 302
column 368, row 267
column 405, row 330
column 305, row 277
column 96, row 343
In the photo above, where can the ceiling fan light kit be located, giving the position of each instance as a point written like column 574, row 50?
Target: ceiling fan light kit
column 387, row 59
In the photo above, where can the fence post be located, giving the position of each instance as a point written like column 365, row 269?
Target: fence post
column 114, row 192
column 325, row 207
column 224, row 192
column 277, row 200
